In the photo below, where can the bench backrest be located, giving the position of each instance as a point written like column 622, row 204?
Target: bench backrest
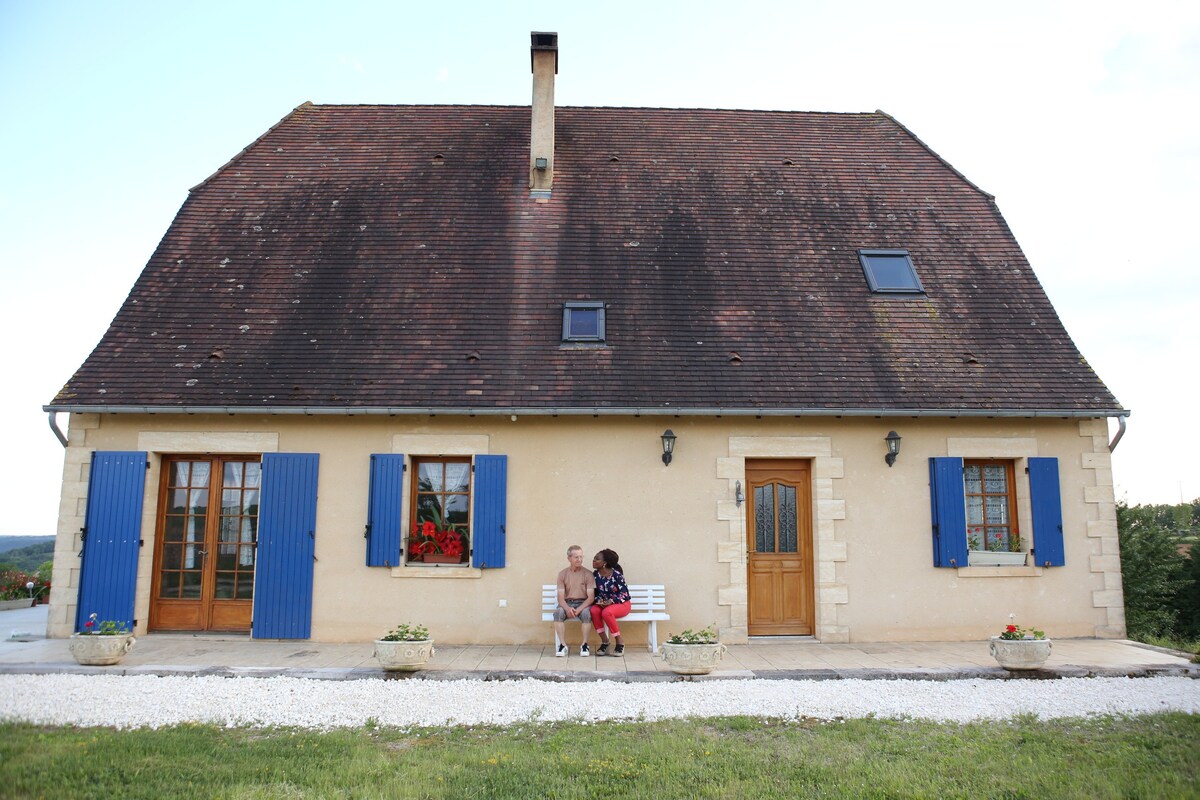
column 642, row 597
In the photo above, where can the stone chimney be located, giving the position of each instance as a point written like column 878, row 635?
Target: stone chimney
column 543, row 58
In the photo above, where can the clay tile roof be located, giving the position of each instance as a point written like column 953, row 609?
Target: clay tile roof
column 391, row 257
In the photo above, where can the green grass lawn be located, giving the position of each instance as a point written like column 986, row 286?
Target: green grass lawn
column 1140, row 757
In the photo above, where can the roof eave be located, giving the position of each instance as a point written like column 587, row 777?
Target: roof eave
column 596, row 411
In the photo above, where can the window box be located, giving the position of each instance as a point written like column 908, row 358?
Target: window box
column 987, row 558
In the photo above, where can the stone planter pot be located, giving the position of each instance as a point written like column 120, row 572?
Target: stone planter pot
column 100, row 651
column 403, row 656
column 11, row 605
column 692, row 659
column 1018, row 654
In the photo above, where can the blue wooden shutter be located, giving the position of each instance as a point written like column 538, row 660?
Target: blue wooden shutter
column 949, row 512
column 1044, row 496
column 491, row 504
column 287, row 521
column 112, row 533
column 384, row 503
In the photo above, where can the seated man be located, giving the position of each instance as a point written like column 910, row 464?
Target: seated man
column 576, row 593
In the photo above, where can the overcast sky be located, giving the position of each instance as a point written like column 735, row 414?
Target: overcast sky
column 1080, row 117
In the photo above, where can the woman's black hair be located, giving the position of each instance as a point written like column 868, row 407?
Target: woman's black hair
column 612, row 560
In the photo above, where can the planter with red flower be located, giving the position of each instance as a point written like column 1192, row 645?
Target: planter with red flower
column 101, row 643
column 431, row 544
column 1020, row 648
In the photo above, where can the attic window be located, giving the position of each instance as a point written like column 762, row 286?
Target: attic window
column 890, row 271
column 583, row 322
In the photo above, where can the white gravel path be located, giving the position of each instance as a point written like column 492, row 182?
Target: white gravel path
column 151, row 701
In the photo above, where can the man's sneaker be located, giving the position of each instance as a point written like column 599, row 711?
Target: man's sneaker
column 561, row 651
column 584, row 651
column 620, row 651
column 602, row 650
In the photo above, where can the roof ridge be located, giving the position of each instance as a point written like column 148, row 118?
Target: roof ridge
column 598, row 108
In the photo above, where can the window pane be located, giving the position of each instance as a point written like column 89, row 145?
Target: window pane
column 974, row 510
column 180, row 473
column 253, row 474
column 995, row 480
column 200, row 470
column 233, row 473
column 973, row 482
column 429, row 478
column 764, row 519
column 458, row 477
column 584, row 323
column 456, row 510
column 225, row 585
column 198, row 501
column 245, row 586
column 787, row 519
column 250, row 501
column 173, row 529
column 191, row 586
column 997, row 510
column 429, row 509
column 169, row 587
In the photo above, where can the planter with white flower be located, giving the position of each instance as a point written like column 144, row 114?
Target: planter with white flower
column 101, row 643
column 693, row 652
column 1020, row 648
column 406, row 648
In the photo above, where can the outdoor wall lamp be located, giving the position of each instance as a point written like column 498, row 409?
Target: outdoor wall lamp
column 893, row 445
column 540, row 163
column 668, row 440
column 738, row 497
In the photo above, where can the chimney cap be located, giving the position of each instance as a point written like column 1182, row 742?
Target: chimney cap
column 544, row 41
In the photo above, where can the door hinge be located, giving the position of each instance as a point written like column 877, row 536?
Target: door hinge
column 141, row 542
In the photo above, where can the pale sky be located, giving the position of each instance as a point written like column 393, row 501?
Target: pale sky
column 1081, row 118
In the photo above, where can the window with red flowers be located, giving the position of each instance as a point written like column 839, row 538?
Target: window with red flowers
column 440, row 515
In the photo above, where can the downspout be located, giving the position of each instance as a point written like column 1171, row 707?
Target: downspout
column 54, row 427
column 1120, row 432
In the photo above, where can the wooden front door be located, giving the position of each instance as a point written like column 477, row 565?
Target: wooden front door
column 206, row 543
column 779, row 539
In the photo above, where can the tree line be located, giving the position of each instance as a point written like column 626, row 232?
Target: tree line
column 1160, row 570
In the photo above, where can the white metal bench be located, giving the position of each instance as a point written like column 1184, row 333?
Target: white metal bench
column 647, row 603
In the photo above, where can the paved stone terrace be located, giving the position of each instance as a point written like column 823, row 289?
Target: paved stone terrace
column 174, row 654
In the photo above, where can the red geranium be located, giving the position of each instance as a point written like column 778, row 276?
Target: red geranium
column 428, row 540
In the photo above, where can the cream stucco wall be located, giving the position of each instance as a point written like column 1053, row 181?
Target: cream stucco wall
column 600, row 482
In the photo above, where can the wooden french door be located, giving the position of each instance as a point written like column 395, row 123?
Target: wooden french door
column 206, row 543
column 779, row 539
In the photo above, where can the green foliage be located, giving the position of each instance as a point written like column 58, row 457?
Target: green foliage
column 1151, row 569
column 406, row 633
column 705, row 636
column 107, row 627
column 1147, row 756
column 1187, row 601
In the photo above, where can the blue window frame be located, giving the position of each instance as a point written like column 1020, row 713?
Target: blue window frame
column 583, row 322
column 890, row 272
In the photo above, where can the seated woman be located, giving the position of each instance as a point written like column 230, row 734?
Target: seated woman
column 612, row 599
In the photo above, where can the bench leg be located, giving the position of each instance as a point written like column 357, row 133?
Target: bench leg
column 653, row 636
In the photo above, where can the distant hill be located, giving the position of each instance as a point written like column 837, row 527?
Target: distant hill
column 26, row 553
column 13, row 542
